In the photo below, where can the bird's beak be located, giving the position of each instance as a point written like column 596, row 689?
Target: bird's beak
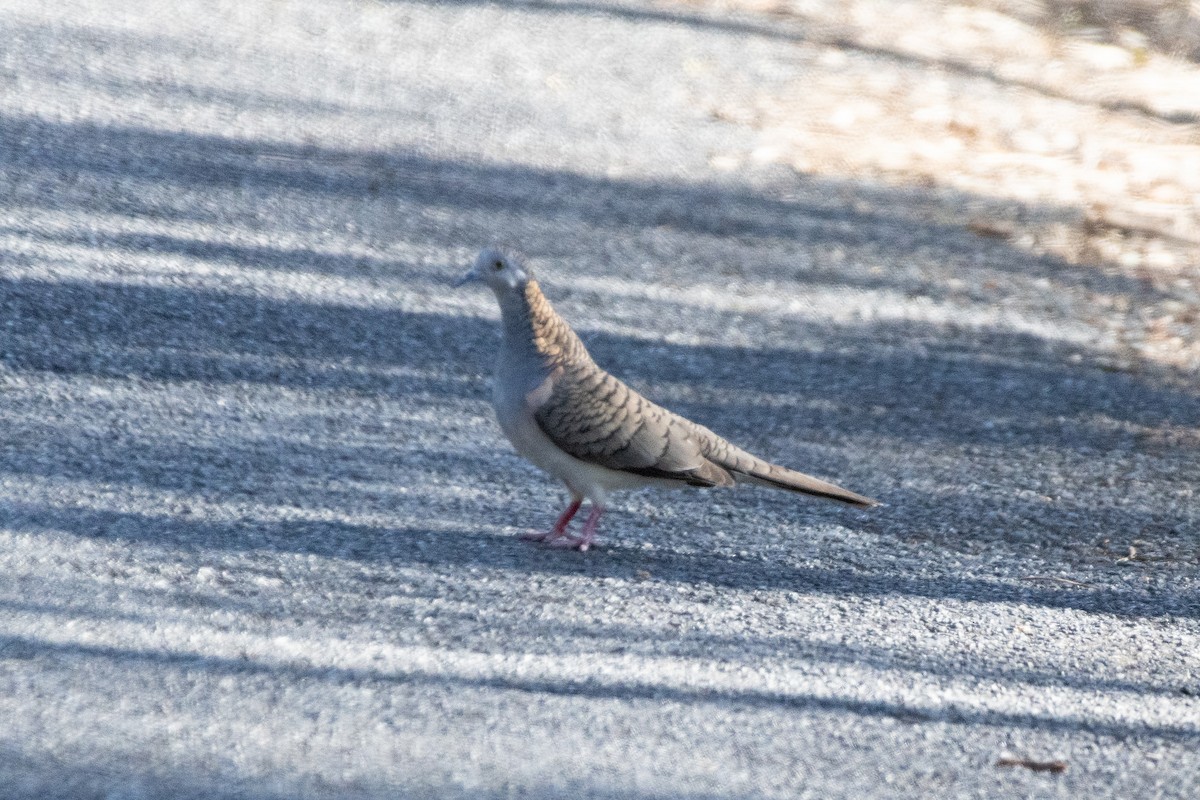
column 472, row 275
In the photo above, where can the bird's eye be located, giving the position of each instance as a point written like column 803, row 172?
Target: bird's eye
column 499, row 265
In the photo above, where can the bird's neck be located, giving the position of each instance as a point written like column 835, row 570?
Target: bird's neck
column 532, row 326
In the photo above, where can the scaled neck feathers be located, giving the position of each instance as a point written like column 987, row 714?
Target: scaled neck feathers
column 530, row 320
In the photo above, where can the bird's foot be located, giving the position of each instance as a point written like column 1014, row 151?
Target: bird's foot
column 558, row 530
column 584, row 541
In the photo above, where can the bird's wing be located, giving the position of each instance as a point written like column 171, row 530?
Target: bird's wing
column 596, row 418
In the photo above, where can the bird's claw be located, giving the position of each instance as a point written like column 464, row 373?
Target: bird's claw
column 569, row 542
column 558, row 538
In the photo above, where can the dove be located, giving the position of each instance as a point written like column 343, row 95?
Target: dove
column 586, row 428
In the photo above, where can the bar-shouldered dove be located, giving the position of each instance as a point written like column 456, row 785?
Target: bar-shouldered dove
column 591, row 431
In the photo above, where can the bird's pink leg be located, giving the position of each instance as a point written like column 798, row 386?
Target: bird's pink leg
column 584, row 540
column 560, row 527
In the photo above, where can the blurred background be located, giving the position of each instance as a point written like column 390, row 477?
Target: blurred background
column 1065, row 130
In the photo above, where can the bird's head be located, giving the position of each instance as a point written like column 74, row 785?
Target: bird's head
column 499, row 270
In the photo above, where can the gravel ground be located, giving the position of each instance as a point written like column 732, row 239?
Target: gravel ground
column 258, row 528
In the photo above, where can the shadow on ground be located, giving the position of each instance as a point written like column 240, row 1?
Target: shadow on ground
column 178, row 176
column 995, row 389
column 405, row 546
column 29, row 773
column 27, row 648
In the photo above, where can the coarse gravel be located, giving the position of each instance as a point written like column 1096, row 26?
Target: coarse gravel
column 259, row 530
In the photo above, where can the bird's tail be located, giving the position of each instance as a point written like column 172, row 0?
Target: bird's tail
column 751, row 469
column 784, row 478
